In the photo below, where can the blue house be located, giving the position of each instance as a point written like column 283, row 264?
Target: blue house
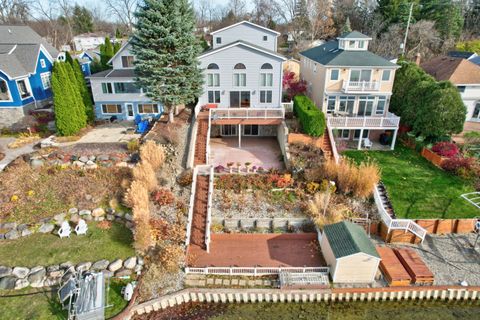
column 85, row 58
column 26, row 62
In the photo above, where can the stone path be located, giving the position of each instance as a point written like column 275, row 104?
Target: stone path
column 12, row 154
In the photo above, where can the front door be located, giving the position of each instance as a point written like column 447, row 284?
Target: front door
column 239, row 99
column 130, row 114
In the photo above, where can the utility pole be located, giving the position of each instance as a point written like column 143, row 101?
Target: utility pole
column 406, row 32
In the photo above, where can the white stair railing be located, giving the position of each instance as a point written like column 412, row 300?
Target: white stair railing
column 254, row 271
column 397, row 224
column 209, row 209
column 335, row 154
column 190, row 205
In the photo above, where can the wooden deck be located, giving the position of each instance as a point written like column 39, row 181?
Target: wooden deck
column 416, row 268
column 392, row 268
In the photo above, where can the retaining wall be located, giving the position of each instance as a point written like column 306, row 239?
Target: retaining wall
column 261, row 223
column 282, row 295
column 282, row 137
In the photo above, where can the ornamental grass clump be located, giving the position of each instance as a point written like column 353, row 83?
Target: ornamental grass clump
column 136, row 195
column 153, row 154
column 144, row 174
column 143, row 234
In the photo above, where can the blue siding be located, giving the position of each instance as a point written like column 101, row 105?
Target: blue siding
column 123, row 116
column 86, row 69
column 12, row 88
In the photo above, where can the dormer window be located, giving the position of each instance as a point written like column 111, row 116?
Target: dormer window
column 127, row 61
column 218, row 40
column 265, row 38
column 361, row 44
column 351, row 44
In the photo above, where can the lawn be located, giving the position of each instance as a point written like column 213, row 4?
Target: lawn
column 417, row 188
column 36, row 304
column 49, row 249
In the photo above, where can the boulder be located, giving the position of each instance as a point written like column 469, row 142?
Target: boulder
column 107, row 274
column 22, row 227
column 119, row 214
column 129, row 224
column 7, row 283
column 83, row 159
column 21, row 283
column 92, row 158
column 72, row 210
column 103, row 157
column 101, row 265
column 84, row 212
column 38, row 283
column 54, row 267
column 12, row 235
column 138, row 268
column 87, row 217
column 50, row 282
column 98, row 212
column 46, row 228
column 130, row 263
column 9, row 225
column 91, row 165
column 121, row 164
column 78, row 164
column 115, row 265
column 74, row 218
column 55, row 274
column 59, row 218
column 37, row 276
column 128, row 217
column 123, row 273
column 37, row 163
column 110, row 217
column 83, row 266
column 26, row 233
column 5, row 271
column 66, row 265
column 140, row 261
column 20, row 272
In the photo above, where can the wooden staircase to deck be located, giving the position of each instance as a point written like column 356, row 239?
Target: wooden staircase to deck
column 201, row 142
column 326, row 145
column 199, row 217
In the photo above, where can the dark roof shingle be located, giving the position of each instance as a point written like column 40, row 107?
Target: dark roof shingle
column 456, row 70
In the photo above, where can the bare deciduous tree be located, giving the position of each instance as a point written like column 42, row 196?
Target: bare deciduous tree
column 320, row 22
column 238, row 8
column 14, row 11
column 123, row 10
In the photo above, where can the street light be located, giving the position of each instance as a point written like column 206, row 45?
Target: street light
column 406, row 32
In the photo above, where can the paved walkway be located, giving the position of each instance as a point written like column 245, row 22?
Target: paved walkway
column 12, row 154
column 265, row 250
column 108, row 133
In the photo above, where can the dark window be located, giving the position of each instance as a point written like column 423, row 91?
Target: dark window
column 107, row 87
column 126, row 87
column 266, row 96
column 461, row 89
column 265, row 38
column 266, row 66
column 476, row 111
column 213, row 66
column 4, row 95
column 111, row 108
column 147, row 108
column 213, row 96
column 219, row 40
column 239, row 66
column 250, row 129
column 127, row 61
column 334, row 74
column 22, row 87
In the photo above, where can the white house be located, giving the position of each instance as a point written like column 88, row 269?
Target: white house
column 87, row 41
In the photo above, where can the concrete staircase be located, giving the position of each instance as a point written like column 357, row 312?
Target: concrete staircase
column 201, row 143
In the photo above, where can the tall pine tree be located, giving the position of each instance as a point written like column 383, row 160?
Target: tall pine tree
column 166, row 51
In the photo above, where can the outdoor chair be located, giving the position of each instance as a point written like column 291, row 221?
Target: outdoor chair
column 367, row 143
column 65, row 230
column 81, row 227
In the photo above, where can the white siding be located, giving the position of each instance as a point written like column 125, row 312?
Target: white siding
column 328, row 255
column 248, row 33
column 470, row 97
column 117, row 61
column 98, row 94
column 357, row 268
column 253, row 60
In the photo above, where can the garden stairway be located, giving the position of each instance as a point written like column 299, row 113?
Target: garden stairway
column 326, row 145
column 387, row 205
column 199, row 217
column 201, row 142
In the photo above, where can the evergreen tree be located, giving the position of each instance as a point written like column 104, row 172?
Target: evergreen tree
column 447, row 16
column 166, row 50
column 106, row 52
column 84, row 92
column 68, row 57
column 82, row 20
column 346, row 27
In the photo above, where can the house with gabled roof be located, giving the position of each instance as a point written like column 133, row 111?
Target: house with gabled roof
column 26, row 62
column 349, row 253
column 352, row 86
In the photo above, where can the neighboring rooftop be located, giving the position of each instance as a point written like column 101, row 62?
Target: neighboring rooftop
column 114, row 73
column 329, row 54
column 354, row 35
column 24, row 35
column 456, row 70
column 462, row 54
column 346, row 238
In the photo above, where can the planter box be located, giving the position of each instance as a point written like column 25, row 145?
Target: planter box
column 465, row 225
column 305, row 139
column 433, row 157
column 428, row 224
column 446, row 226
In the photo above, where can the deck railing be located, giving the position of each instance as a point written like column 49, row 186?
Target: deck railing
column 287, row 106
column 390, row 121
column 209, row 209
column 336, row 156
column 190, row 205
column 360, row 86
column 247, row 113
column 207, row 154
column 254, row 271
column 397, row 224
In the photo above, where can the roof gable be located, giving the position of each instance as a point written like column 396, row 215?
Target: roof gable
column 251, row 24
column 119, row 52
column 243, row 43
column 347, row 238
column 456, row 70
column 354, row 35
column 24, row 35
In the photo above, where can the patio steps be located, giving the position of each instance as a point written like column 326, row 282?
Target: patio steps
column 326, row 145
column 199, row 217
column 201, row 143
column 382, row 191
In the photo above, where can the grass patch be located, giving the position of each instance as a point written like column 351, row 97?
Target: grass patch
column 49, row 249
column 22, row 304
column 417, row 188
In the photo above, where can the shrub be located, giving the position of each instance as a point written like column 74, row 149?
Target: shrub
column 185, row 179
column 133, row 145
column 320, row 205
column 136, row 195
column 454, row 164
column 144, row 174
column 310, row 117
column 153, row 154
column 163, row 197
column 143, row 235
column 170, row 257
column 446, row 149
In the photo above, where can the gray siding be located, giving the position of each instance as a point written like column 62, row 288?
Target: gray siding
column 248, row 33
column 253, row 60
column 117, row 61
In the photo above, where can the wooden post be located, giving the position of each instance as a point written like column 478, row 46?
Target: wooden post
column 394, row 139
column 359, row 139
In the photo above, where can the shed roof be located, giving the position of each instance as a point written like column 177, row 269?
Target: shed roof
column 329, row 54
column 456, row 70
column 347, row 238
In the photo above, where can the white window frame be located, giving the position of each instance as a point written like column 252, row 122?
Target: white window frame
column 114, row 104
column 43, row 63
column 341, row 134
column 218, row 40
column 46, row 76
column 367, row 131
column 108, row 86
column 154, row 105
column 330, row 98
column 213, row 79
column 8, row 91
column 477, row 118
column 240, row 79
column 381, row 98
column 250, row 129
column 127, row 56
column 233, row 130
column 360, row 75
column 266, row 79
column 214, row 92
column 27, row 87
column 331, row 74
column 389, row 75
column 265, row 96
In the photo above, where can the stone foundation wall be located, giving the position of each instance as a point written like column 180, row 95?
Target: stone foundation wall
column 272, row 224
column 9, row 116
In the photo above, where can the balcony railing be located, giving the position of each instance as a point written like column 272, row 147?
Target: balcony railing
column 360, row 86
column 390, row 121
column 247, row 113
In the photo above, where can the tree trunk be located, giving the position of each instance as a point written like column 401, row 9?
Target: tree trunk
column 170, row 114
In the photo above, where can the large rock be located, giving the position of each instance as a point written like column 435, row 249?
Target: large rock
column 72, row 210
column 91, row 165
column 21, row 283
column 37, row 163
column 20, row 272
column 66, row 265
column 50, row 282
column 26, row 233
column 59, row 218
column 37, row 276
column 5, row 271
column 78, row 164
column 83, row 266
column 128, row 217
column 12, row 235
column 123, row 273
column 98, row 212
column 85, row 212
column 115, row 265
column 83, row 159
column 103, row 157
column 75, row 218
column 22, row 227
column 130, row 263
column 9, row 225
column 46, row 228
column 101, row 265
column 8, row 283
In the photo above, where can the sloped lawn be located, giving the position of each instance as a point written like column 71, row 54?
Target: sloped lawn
column 417, row 188
column 49, row 249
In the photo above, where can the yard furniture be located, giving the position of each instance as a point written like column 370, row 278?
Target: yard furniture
column 367, row 143
column 415, row 266
column 392, row 269
column 65, row 230
column 81, row 227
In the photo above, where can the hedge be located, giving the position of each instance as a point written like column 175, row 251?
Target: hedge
column 310, row 117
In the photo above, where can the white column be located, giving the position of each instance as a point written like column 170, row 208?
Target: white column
column 239, row 135
column 394, row 139
column 359, row 139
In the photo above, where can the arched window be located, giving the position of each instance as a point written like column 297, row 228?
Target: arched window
column 239, row 66
column 266, row 66
column 213, row 66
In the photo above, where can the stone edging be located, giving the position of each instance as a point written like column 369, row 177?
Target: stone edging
column 278, row 295
column 47, row 276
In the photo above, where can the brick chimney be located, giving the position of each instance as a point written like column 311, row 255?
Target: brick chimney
column 418, row 57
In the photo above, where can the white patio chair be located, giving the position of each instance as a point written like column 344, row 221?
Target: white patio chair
column 65, row 230
column 367, row 143
column 81, row 227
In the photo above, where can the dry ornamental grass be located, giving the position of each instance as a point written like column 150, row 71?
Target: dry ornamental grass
column 144, row 174
column 153, row 154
